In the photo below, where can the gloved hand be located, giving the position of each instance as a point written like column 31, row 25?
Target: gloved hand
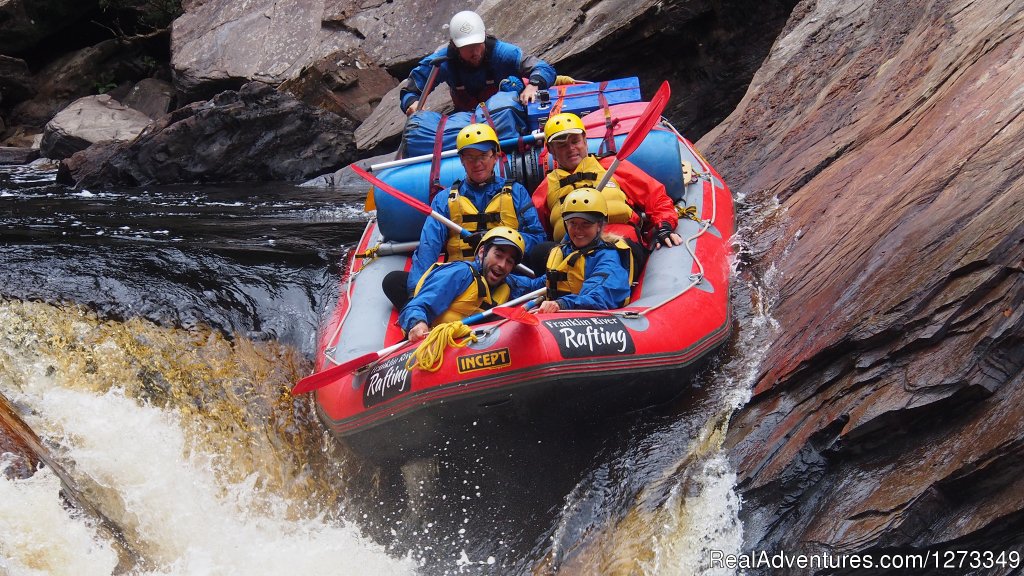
column 474, row 239
column 511, row 84
column 663, row 234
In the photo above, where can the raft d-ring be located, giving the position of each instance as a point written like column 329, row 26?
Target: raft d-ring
column 485, row 337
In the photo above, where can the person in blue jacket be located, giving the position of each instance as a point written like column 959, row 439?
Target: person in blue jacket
column 454, row 290
column 479, row 203
column 474, row 66
column 587, row 270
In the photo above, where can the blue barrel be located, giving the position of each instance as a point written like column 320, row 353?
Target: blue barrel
column 397, row 221
column 658, row 155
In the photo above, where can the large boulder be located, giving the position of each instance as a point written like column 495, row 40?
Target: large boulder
column 888, row 411
column 222, row 43
column 87, row 121
column 255, row 133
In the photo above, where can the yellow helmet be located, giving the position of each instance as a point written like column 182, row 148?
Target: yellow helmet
column 586, row 203
column 505, row 236
column 561, row 125
column 475, row 137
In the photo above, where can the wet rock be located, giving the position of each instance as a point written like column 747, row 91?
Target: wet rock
column 87, row 121
column 256, row 133
column 12, row 155
column 888, row 413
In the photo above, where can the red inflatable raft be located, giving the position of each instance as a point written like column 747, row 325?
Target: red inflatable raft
column 569, row 365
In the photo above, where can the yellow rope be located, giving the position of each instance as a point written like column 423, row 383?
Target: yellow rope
column 562, row 80
column 430, row 353
column 370, row 254
column 687, row 212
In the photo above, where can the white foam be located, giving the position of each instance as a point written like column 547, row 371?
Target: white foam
column 150, row 481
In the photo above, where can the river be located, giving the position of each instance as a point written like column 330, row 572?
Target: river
column 150, row 337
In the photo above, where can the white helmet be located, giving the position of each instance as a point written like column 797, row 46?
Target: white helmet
column 466, row 28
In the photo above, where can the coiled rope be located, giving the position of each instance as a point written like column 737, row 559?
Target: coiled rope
column 430, row 353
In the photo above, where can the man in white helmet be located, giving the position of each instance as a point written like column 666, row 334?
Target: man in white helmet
column 474, row 65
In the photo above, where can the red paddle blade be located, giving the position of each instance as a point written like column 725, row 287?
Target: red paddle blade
column 646, row 121
column 384, row 186
column 332, row 374
column 517, row 314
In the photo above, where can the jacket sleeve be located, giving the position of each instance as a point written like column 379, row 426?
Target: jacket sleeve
column 413, row 86
column 438, row 292
column 605, row 284
column 540, row 202
column 646, row 193
column 522, row 285
column 433, row 238
column 540, row 73
column 529, row 222
column 508, row 59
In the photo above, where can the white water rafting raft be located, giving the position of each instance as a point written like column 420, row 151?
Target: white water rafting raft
column 571, row 364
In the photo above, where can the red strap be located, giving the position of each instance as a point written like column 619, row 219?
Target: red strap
column 435, row 161
column 608, row 145
column 501, row 154
column 556, row 108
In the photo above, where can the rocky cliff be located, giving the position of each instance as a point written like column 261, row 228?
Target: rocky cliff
column 888, row 415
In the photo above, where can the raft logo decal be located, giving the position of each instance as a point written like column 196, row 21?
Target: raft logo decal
column 485, row 360
column 387, row 380
column 583, row 337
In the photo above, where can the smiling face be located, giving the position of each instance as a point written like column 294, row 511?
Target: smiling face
column 479, row 165
column 569, row 151
column 582, row 231
column 498, row 262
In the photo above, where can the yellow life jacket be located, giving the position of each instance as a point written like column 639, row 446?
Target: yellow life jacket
column 476, row 298
column 588, row 173
column 500, row 211
column 565, row 273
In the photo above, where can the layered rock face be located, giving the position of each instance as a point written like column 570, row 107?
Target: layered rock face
column 889, row 413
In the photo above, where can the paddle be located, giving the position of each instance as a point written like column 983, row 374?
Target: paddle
column 421, row 207
column 517, row 314
column 640, row 130
column 325, row 377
